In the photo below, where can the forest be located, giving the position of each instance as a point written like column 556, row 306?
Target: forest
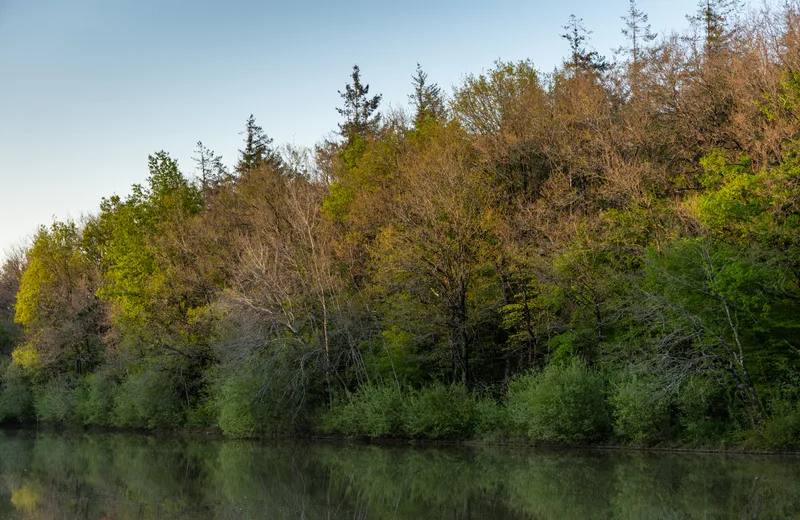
column 605, row 253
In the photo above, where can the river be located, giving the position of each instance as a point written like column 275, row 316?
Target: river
column 121, row 476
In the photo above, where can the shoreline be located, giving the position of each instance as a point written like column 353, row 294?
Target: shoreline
column 215, row 434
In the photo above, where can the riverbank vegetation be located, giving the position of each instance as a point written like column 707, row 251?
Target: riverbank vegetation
column 608, row 252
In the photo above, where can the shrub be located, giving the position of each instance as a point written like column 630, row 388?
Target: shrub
column 373, row 411
column 16, row 398
column 703, row 410
column 440, row 411
column 782, row 429
column 563, row 403
column 148, row 398
column 94, row 399
column 55, row 402
column 259, row 396
column 235, row 405
column 641, row 410
column 491, row 417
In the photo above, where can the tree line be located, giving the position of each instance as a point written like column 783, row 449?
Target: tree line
column 609, row 251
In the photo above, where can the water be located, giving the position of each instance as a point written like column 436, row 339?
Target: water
column 102, row 476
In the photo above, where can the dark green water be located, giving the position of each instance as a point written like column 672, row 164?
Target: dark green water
column 136, row 477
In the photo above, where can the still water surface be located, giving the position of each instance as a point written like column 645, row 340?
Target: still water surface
column 103, row 476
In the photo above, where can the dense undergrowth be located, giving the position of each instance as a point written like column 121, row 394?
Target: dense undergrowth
column 568, row 404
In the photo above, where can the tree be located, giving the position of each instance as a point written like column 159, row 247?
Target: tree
column 714, row 18
column 436, row 246
column 61, row 316
column 714, row 307
column 210, row 169
column 10, row 278
column 506, row 109
column 141, row 242
column 257, row 149
column 359, row 110
column 637, row 31
column 581, row 58
column 426, row 99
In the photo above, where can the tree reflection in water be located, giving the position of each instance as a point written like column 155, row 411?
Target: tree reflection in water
column 104, row 476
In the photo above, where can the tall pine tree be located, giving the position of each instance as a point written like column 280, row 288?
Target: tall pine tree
column 426, row 99
column 715, row 19
column 258, row 149
column 360, row 111
column 637, row 30
column 581, row 58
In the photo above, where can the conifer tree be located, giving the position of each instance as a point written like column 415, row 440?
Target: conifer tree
column 581, row 58
column 210, row 168
column 426, row 99
column 637, row 30
column 713, row 18
column 359, row 111
column 257, row 149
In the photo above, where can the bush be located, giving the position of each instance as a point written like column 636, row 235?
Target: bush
column 703, row 411
column 491, row 418
column 373, row 411
column 257, row 397
column 782, row 429
column 641, row 410
column 560, row 404
column 94, row 399
column 148, row 399
column 235, row 405
column 16, row 398
column 55, row 403
column 440, row 411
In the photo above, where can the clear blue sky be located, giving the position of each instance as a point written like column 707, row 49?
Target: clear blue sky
column 89, row 88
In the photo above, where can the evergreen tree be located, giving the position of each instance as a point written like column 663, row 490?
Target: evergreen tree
column 637, row 30
column 714, row 18
column 257, row 149
column 359, row 111
column 426, row 99
column 581, row 58
column 210, row 168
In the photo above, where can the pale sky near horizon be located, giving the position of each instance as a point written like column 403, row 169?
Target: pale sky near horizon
column 89, row 88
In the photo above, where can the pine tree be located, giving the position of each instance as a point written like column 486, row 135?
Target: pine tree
column 359, row 111
column 257, row 149
column 581, row 59
column 714, row 18
column 426, row 99
column 210, row 168
column 637, row 31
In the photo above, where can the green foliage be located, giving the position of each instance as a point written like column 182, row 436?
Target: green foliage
column 641, row 409
column 440, row 411
column 374, row 411
column 560, row 404
column 148, row 398
column 782, row 429
column 704, row 411
column 254, row 398
column 94, row 402
column 491, row 418
column 55, row 403
column 16, row 396
column 235, row 401
column 733, row 309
